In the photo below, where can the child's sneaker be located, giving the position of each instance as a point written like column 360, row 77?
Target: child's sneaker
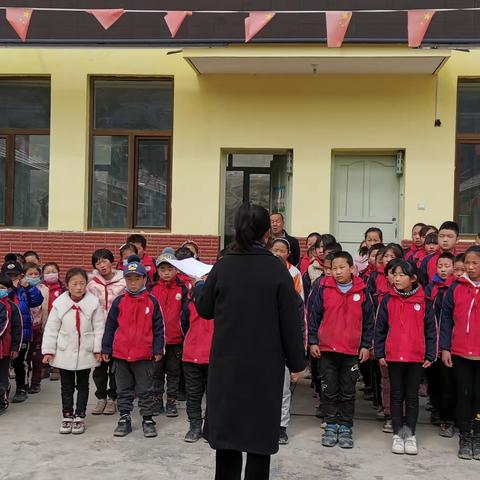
column 99, row 407
column 387, row 425
column 195, row 432
column 79, row 426
column 34, row 388
column 158, row 407
column 3, row 406
column 330, row 436
column 345, row 439
column 124, row 426
column 283, row 438
column 20, row 395
column 110, row 407
column 476, row 446
column 66, row 425
column 398, row 445
column 447, row 430
column 149, row 429
column 171, row 410
column 411, row 445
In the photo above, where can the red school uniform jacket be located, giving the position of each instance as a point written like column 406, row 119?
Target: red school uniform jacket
column 402, row 331
column 460, row 320
column 11, row 328
column 377, row 286
column 198, row 340
column 428, row 267
column 149, row 264
column 134, row 330
column 341, row 322
column 173, row 300
column 54, row 291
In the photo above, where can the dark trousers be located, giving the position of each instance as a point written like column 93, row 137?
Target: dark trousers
column 229, row 466
column 441, row 389
column 377, row 383
column 103, row 376
column 366, row 371
column 404, row 382
column 4, row 379
column 169, row 365
column 196, row 376
column 467, row 376
column 19, row 366
column 339, row 374
column 34, row 357
column 71, row 379
column 131, row 378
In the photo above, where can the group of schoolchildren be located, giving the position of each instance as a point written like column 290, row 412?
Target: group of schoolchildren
column 398, row 318
column 131, row 322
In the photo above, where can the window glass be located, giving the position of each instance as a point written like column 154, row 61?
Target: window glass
column 468, row 120
column 468, row 203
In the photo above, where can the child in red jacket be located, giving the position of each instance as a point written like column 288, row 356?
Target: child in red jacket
column 340, row 329
column 172, row 295
column 406, row 343
column 134, row 335
column 140, row 243
column 10, row 338
column 460, row 345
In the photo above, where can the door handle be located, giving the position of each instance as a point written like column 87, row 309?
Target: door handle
column 394, row 219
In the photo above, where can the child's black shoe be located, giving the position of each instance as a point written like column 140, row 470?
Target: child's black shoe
column 124, row 426
column 447, row 430
column 3, row 406
column 465, row 446
column 20, row 395
column 171, row 410
column 158, row 407
column 195, row 432
column 476, row 446
column 283, row 439
column 149, row 429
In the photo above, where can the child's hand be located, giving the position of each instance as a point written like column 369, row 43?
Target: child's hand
column 383, row 362
column 98, row 357
column 364, row 355
column 315, row 351
column 105, row 357
column 47, row 358
column 447, row 358
column 13, row 355
column 294, row 377
column 426, row 364
column 157, row 358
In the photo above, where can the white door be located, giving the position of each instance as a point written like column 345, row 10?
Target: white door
column 366, row 193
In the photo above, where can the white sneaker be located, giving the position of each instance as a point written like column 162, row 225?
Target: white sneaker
column 398, row 445
column 78, row 426
column 411, row 445
column 66, row 425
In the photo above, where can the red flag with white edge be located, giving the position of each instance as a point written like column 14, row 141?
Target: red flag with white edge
column 337, row 26
column 174, row 21
column 107, row 17
column 418, row 23
column 255, row 22
column 19, row 19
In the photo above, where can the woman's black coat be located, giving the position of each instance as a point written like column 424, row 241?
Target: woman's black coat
column 257, row 332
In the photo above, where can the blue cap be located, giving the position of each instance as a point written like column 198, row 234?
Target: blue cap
column 134, row 267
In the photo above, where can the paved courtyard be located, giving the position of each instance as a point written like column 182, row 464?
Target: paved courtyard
column 32, row 449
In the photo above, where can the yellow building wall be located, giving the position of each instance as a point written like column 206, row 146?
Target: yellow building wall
column 312, row 115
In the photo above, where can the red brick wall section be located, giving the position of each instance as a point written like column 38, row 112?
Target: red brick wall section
column 75, row 248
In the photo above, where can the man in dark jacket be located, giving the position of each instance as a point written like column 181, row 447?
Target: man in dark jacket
column 277, row 228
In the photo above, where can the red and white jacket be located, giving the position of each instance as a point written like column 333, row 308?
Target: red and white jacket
column 198, row 340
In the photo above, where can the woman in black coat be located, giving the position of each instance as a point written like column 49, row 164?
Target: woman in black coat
column 251, row 296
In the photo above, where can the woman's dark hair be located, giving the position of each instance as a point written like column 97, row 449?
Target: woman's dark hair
column 380, row 252
column 31, row 253
column 345, row 255
column 76, row 271
column 374, row 230
column 252, row 222
column 474, row 249
column 408, row 268
column 314, row 234
column 392, row 264
column 375, row 246
column 5, row 280
column 431, row 238
column 419, row 224
column 426, row 228
column 29, row 266
column 183, row 252
column 460, row 257
column 137, row 238
column 128, row 246
column 395, row 248
column 102, row 254
column 51, row 264
column 282, row 240
column 325, row 240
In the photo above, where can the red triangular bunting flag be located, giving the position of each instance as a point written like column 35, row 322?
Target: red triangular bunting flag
column 107, row 17
column 174, row 21
column 337, row 25
column 255, row 22
column 418, row 22
column 19, row 19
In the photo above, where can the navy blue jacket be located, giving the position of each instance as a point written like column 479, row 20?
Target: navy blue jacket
column 26, row 298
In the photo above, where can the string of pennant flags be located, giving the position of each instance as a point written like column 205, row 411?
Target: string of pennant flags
column 337, row 22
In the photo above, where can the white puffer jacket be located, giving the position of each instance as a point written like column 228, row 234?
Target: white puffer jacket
column 61, row 334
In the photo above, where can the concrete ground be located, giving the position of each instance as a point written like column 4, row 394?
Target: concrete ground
column 31, row 448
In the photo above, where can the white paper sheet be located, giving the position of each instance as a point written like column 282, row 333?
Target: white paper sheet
column 191, row 267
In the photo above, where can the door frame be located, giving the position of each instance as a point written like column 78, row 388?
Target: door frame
column 371, row 153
